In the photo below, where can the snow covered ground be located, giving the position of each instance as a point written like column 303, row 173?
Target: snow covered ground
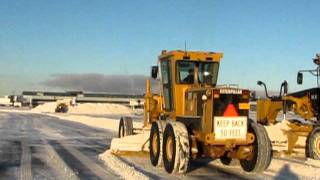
column 106, row 116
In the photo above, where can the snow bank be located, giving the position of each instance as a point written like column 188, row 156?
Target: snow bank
column 126, row 171
column 278, row 135
column 98, row 122
column 86, row 108
column 134, row 143
column 49, row 107
column 99, row 108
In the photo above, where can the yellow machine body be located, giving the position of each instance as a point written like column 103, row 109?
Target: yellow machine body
column 192, row 116
column 194, row 101
column 268, row 110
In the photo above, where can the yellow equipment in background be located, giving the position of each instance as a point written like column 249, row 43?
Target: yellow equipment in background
column 63, row 105
column 268, row 109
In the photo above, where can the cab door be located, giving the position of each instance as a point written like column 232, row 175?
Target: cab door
column 167, row 84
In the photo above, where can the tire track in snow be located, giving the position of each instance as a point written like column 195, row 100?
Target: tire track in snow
column 52, row 158
column 25, row 163
column 95, row 168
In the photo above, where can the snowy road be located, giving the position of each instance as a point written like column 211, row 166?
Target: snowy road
column 37, row 146
column 34, row 146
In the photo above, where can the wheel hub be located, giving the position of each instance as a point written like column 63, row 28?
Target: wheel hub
column 251, row 153
column 155, row 144
column 169, row 148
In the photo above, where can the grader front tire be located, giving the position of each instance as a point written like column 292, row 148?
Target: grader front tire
column 262, row 150
column 176, row 148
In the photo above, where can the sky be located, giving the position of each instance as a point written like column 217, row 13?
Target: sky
column 41, row 41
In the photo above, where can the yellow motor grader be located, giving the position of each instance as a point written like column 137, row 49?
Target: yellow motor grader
column 305, row 104
column 193, row 117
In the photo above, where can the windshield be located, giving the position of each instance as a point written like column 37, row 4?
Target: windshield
column 207, row 72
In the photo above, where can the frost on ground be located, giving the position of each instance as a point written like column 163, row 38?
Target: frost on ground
column 288, row 170
column 76, row 114
column 281, row 168
column 2, row 115
column 126, row 171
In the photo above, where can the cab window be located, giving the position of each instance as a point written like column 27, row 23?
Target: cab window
column 167, row 85
column 208, row 73
column 185, row 70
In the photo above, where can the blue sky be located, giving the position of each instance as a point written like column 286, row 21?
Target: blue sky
column 261, row 40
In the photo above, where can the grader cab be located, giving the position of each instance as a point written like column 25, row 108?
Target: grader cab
column 194, row 117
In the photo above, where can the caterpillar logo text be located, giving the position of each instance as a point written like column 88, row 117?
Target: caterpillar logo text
column 230, row 91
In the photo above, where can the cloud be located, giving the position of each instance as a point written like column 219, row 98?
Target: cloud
column 128, row 84
column 122, row 84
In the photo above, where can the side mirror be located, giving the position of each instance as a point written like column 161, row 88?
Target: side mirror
column 299, row 78
column 154, row 72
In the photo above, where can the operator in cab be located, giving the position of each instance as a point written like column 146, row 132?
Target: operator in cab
column 190, row 78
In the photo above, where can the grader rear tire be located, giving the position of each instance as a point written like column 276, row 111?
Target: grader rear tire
column 176, row 148
column 155, row 145
column 313, row 144
column 125, row 127
column 262, row 150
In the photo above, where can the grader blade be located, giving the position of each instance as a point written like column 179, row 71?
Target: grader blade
column 131, row 143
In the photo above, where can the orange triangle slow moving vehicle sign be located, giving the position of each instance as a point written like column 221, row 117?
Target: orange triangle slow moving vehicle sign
column 230, row 111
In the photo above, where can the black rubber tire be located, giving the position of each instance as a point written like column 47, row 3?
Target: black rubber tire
column 262, row 150
column 121, row 129
column 229, row 161
column 155, row 157
column 129, row 124
column 169, row 164
column 180, row 148
column 125, row 127
column 311, row 149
